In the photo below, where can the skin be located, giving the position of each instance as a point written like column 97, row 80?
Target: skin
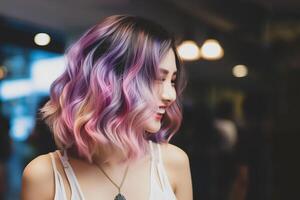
column 38, row 178
column 165, row 87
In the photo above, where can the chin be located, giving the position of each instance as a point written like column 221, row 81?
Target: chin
column 153, row 128
column 152, row 131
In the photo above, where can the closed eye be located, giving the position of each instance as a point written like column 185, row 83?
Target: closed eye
column 173, row 82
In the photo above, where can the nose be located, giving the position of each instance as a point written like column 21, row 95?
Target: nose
column 168, row 94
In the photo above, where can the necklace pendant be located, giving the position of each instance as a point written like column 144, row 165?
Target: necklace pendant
column 119, row 197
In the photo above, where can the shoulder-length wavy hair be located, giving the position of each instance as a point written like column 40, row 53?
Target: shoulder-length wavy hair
column 107, row 92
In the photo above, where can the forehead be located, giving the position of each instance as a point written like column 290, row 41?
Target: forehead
column 168, row 63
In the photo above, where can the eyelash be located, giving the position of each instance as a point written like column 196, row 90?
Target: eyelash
column 173, row 81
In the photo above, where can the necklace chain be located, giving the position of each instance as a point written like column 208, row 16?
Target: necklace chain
column 116, row 185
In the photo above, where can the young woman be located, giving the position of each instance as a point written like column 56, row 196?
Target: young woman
column 112, row 113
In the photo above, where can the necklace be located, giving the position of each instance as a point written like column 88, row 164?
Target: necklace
column 119, row 196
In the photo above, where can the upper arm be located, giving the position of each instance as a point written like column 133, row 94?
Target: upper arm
column 38, row 180
column 177, row 163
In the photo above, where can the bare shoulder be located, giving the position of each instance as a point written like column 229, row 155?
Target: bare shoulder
column 174, row 156
column 38, row 179
column 177, row 165
column 40, row 165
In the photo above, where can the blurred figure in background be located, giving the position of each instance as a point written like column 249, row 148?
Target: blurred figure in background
column 5, row 150
column 253, row 181
column 228, row 161
column 226, row 129
column 225, row 125
column 198, row 138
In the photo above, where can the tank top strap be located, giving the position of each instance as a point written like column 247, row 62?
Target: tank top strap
column 157, row 159
column 159, row 154
column 60, row 192
column 152, row 151
column 53, row 165
column 76, row 192
column 155, row 152
column 63, row 158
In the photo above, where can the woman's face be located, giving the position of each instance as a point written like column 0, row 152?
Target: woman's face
column 165, row 88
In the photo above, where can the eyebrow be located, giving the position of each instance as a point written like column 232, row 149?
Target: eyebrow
column 165, row 71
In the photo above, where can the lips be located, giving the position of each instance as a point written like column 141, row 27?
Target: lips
column 162, row 110
column 158, row 116
column 160, row 113
column 163, row 106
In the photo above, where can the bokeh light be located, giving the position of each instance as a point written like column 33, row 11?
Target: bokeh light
column 42, row 39
column 240, row 71
column 188, row 50
column 212, row 50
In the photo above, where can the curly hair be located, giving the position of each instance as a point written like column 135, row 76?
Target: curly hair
column 106, row 92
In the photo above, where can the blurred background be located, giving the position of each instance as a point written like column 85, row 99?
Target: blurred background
column 241, row 104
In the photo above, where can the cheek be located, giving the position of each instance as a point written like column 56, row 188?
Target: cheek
column 157, row 88
column 153, row 125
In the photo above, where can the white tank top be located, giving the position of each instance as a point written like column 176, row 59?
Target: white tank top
column 156, row 192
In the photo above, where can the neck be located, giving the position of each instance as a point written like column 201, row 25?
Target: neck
column 109, row 156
